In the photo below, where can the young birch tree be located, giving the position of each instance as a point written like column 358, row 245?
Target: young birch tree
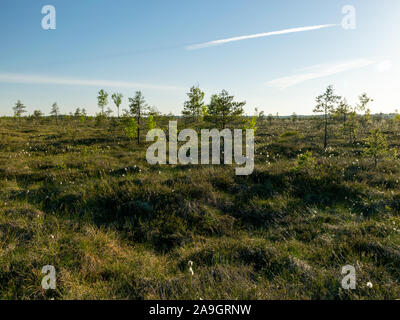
column 102, row 100
column 117, row 98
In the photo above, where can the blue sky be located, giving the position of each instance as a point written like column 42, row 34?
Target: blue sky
column 127, row 45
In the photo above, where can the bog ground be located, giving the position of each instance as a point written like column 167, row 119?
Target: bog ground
column 79, row 195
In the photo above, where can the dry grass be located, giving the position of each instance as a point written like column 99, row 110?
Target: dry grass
column 75, row 197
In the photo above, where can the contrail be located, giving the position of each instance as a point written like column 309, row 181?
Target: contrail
column 257, row 35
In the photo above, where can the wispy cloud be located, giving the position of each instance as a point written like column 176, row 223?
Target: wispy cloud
column 319, row 71
column 257, row 35
column 40, row 79
column 385, row 65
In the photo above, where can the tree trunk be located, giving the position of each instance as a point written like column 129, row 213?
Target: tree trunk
column 350, row 135
column 138, row 128
column 326, row 132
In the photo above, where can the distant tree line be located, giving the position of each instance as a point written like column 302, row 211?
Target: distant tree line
column 222, row 110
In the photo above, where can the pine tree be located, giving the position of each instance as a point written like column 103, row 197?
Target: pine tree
column 19, row 109
column 364, row 100
column 109, row 112
column 376, row 146
column 270, row 118
column 131, row 129
column 194, row 107
column 55, row 111
column 343, row 110
column 223, row 108
column 138, row 108
column 326, row 104
column 77, row 112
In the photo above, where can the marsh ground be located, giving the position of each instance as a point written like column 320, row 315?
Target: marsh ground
column 81, row 197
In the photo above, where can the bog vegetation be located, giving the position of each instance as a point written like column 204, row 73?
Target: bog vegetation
column 77, row 193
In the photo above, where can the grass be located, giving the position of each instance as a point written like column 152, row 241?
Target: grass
column 81, row 197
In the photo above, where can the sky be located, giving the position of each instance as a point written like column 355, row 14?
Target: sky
column 275, row 55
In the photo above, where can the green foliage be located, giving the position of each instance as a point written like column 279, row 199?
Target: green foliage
column 326, row 103
column 55, row 110
column 251, row 124
column 364, row 100
column 397, row 119
column 270, row 118
column 117, row 98
column 85, row 199
column 306, row 162
column 99, row 120
column 376, row 146
column 19, row 109
column 261, row 115
column 223, row 109
column 77, row 113
column 289, row 133
column 204, row 112
column 194, row 107
column 352, row 126
column 114, row 124
column 151, row 123
column 102, row 100
column 37, row 114
column 138, row 106
column 342, row 111
column 109, row 112
column 138, row 109
column 131, row 129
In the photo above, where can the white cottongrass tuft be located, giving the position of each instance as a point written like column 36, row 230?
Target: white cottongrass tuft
column 369, row 284
column 190, row 263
